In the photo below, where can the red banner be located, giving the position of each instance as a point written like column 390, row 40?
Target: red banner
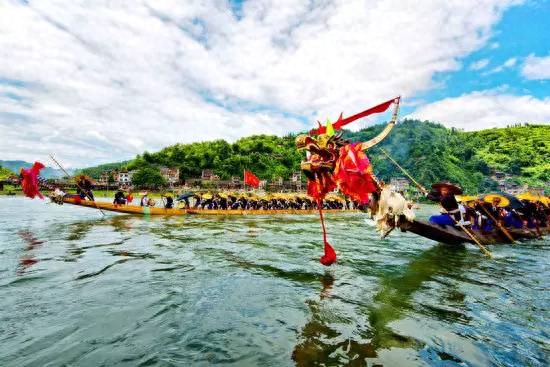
column 344, row 121
column 251, row 179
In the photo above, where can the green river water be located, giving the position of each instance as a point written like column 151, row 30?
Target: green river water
column 79, row 289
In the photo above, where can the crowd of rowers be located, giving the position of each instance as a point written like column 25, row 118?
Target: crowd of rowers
column 238, row 201
column 481, row 213
column 487, row 211
column 215, row 201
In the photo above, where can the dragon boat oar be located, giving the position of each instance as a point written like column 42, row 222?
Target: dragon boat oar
column 499, row 226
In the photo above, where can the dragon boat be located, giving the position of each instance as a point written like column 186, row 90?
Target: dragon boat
column 452, row 235
column 146, row 210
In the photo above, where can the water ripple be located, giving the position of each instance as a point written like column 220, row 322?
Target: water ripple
column 82, row 289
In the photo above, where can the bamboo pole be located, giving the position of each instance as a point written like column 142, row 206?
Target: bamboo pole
column 77, row 185
column 423, row 189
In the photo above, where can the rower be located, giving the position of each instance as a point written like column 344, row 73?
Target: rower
column 444, row 193
column 169, row 202
column 120, row 198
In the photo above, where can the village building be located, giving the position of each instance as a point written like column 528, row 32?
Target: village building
column 104, row 178
column 171, row 175
column 207, row 174
column 124, row 178
column 536, row 190
column 399, row 183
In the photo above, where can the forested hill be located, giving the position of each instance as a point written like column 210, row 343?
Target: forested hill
column 429, row 151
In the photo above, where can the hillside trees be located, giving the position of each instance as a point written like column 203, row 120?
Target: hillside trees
column 428, row 151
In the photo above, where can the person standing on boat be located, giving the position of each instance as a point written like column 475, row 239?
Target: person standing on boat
column 129, row 197
column 84, row 188
column 120, row 199
column 144, row 199
column 444, row 193
column 169, row 202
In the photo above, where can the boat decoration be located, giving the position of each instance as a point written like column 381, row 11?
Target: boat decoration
column 30, row 180
column 333, row 162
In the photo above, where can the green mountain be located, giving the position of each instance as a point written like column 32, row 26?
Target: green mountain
column 428, row 151
column 46, row 172
column 96, row 171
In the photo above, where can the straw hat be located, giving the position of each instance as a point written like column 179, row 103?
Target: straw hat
column 454, row 189
column 496, row 199
column 466, row 198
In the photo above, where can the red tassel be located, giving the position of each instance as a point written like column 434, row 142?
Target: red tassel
column 329, row 257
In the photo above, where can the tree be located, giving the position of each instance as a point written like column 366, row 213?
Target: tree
column 149, row 177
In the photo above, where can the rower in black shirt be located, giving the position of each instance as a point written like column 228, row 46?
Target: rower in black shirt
column 444, row 193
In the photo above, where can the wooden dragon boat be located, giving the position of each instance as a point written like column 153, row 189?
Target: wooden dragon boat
column 145, row 210
column 452, row 235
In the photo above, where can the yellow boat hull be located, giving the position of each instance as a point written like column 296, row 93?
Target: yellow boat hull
column 144, row 210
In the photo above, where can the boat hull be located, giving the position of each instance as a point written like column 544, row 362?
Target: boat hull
column 452, row 235
column 144, row 210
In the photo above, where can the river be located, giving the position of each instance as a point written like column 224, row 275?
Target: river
column 80, row 289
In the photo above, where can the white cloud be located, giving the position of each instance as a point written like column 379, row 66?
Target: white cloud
column 506, row 65
column 486, row 109
column 480, row 64
column 102, row 82
column 536, row 68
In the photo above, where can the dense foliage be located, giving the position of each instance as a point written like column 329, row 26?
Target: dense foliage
column 267, row 156
column 5, row 173
column 429, row 151
column 96, row 171
column 149, row 177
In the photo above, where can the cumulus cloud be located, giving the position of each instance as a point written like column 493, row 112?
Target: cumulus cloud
column 486, row 109
column 103, row 81
column 536, row 68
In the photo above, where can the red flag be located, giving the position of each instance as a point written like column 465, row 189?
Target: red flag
column 344, row 121
column 29, row 180
column 251, row 179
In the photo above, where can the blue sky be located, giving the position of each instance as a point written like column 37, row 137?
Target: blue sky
column 523, row 30
column 104, row 82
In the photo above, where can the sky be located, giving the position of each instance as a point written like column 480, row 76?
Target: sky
column 100, row 81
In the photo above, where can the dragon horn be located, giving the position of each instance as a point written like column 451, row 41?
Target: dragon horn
column 377, row 139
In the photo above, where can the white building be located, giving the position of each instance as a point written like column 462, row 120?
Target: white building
column 124, row 177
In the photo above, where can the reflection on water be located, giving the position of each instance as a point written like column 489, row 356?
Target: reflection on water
column 28, row 257
column 130, row 290
column 320, row 343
